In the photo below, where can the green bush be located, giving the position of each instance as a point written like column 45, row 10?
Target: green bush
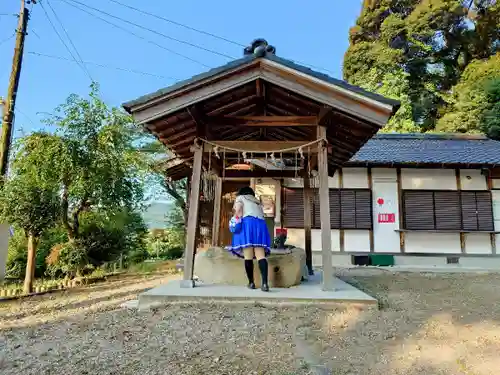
column 172, row 253
column 104, row 239
column 18, row 247
column 167, row 244
column 71, row 261
column 137, row 255
column 17, row 255
column 107, row 236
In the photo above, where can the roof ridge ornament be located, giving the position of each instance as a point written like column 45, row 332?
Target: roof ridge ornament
column 259, row 47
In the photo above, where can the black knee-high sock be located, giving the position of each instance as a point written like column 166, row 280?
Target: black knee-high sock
column 249, row 269
column 263, row 270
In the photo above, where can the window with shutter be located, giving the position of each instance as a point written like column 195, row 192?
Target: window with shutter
column 484, row 211
column 418, row 209
column 335, row 214
column 477, row 211
column 469, row 210
column 447, row 210
column 364, row 217
column 349, row 209
column 293, row 210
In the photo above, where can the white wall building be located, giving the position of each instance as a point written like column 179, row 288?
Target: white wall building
column 424, row 200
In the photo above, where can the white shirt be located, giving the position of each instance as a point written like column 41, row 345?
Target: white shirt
column 251, row 206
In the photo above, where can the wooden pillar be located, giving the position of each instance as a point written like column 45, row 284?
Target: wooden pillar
column 253, row 183
column 194, row 204
column 341, row 230
column 370, row 186
column 399, row 181
column 459, row 188
column 307, row 223
column 493, row 236
column 217, row 207
column 324, row 203
column 277, row 205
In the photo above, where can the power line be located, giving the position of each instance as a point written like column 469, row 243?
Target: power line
column 202, row 31
column 102, row 65
column 7, row 39
column 137, row 35
column 69, row 38
column 153, row 31
column 25, row 115
column 63, row 42
column 179, row 24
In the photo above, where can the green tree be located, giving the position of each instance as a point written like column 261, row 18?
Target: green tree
column 491, row 115
column 32, row 205
column 472, row 97
column 429, row 42
column 93, row 157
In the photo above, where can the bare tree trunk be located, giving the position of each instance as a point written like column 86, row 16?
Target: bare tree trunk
column 31, row 264
column 65, row 218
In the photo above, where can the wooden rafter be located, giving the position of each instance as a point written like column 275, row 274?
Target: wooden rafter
column 202, row 128
column 260, row 91
column 233, row 105
column 264, row 121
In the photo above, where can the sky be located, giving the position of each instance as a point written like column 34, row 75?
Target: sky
column 313, row 32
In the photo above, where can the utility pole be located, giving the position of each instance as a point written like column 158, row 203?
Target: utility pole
column 10, row 100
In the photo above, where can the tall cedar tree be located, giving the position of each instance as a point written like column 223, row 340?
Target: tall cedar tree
column 418, row 50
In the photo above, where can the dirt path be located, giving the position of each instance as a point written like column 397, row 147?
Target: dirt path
column 428, row 325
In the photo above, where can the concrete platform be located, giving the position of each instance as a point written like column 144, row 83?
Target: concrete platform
column 307, row 292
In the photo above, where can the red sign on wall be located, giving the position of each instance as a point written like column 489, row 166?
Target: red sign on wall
column 386, row 218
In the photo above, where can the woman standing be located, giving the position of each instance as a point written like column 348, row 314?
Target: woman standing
column 252, row 240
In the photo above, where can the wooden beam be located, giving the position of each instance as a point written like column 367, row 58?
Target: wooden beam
column 263, row 121
column 308, row 223
column 217, row 208
column 230, row 107
column 194, row 203
column 323, row 113
column 261, row 146
column 324, row 200
column 189, row 132
column 202, row 129
column 260, row 91
column 260, row 173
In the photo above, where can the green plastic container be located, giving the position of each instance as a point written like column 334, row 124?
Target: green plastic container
column 382, row 260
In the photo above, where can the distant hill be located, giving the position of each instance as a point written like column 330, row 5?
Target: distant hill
column 156, row 213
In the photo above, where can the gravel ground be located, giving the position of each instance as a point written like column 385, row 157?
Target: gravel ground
column 427, row 325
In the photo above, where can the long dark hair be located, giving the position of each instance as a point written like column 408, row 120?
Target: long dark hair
column 247, row 190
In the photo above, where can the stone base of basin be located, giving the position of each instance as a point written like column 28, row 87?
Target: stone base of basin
column 218, row 266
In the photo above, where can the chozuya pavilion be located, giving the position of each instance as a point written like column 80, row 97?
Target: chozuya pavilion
column 259, row 118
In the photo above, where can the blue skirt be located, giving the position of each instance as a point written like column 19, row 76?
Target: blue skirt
column 253, row 233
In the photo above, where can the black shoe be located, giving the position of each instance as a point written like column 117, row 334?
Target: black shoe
column 251, row 286
column 265, row 288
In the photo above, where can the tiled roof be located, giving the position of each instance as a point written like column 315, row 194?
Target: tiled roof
column 247, row 59
column 429, row 149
